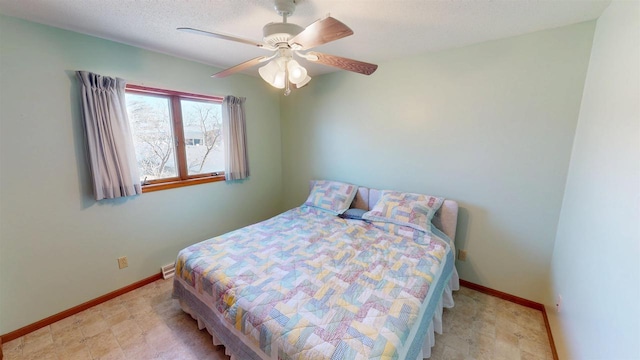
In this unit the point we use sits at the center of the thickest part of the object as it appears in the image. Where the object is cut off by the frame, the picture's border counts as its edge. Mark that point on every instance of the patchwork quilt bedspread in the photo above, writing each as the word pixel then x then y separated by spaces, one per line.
pixel 307 284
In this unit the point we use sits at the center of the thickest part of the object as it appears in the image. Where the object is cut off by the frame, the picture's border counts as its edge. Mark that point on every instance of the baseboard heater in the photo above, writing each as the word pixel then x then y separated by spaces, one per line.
pixel 168 270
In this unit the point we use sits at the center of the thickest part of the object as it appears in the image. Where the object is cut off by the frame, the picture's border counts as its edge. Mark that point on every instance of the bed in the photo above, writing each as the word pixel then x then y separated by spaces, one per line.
pixel 313 283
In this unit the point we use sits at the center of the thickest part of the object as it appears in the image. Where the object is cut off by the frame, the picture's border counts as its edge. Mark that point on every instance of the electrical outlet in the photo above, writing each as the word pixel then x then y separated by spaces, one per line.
pixel 122 262
pixel 558 303
pixel 462 255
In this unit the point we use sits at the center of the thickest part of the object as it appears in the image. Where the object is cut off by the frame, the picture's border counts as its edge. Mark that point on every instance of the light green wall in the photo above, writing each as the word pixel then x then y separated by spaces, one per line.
pixel 489 125
pixel 595 264
pixel 58 247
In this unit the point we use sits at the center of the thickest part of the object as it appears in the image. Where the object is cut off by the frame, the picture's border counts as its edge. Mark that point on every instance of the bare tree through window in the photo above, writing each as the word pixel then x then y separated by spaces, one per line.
pixel 203 136
pixel 153 135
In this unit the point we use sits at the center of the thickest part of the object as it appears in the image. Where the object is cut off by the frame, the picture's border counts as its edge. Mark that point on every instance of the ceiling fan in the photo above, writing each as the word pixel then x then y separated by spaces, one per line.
pixel 286 40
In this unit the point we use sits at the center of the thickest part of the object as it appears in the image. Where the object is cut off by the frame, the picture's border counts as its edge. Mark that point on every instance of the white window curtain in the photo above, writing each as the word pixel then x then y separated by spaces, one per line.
pixel 235 138
pixel 111 153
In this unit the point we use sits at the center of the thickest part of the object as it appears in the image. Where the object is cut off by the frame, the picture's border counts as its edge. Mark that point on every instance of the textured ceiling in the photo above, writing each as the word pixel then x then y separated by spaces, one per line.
pixel 383 29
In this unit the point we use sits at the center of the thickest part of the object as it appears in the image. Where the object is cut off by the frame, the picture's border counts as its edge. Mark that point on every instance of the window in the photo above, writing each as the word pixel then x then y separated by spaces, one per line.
pixel 177 137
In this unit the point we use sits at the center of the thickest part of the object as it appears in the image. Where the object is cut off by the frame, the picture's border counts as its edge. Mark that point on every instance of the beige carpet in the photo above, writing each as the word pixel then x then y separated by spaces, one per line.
pixel 147 324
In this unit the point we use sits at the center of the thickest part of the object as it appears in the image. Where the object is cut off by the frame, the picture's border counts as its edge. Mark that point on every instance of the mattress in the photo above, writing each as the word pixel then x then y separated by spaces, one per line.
pixel 307 284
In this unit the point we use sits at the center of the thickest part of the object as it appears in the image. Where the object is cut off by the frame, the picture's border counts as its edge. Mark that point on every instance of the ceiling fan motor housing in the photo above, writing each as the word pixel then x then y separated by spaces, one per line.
pixel 277 33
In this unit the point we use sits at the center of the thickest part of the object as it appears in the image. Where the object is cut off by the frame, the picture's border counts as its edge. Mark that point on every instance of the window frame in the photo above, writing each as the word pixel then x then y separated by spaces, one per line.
pixel 183 178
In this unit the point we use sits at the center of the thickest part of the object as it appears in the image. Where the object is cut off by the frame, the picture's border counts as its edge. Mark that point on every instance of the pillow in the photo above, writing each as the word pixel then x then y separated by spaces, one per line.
pixel 355 214
pixel 406 209
pixel 332 196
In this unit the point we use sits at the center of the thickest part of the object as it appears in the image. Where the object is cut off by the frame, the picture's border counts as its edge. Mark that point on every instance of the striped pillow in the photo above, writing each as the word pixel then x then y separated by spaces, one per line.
pixel 406 209
pixel 332 196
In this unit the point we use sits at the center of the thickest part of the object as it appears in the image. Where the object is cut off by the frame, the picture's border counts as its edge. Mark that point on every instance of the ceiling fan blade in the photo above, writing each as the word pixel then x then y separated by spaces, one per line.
pixel 343 63
pixel 220 36
pixel 321 32
pixel 239 67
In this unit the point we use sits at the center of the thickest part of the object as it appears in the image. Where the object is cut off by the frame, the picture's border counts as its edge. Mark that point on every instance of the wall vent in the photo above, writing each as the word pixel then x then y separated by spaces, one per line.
pixel 168 270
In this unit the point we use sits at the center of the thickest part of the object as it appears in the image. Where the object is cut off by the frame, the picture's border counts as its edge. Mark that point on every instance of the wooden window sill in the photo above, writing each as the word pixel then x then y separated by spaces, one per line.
pixel 180 183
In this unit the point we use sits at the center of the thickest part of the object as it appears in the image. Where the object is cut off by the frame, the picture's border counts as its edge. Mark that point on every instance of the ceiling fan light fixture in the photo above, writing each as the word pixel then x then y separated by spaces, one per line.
pixel 297 73
pixel 276 73
pixel 268 72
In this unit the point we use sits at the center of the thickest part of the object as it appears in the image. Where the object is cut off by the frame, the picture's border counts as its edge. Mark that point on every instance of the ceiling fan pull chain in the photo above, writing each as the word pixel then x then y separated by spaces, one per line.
pixel 287 86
